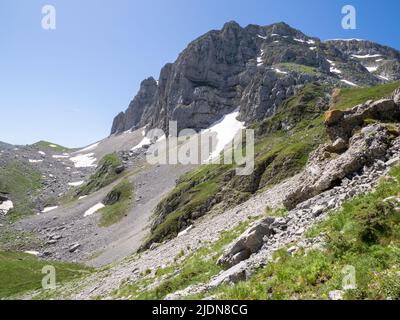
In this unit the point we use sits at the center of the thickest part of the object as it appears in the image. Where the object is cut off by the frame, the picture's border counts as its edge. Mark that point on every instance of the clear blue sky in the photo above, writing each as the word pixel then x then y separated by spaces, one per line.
pixel 67 85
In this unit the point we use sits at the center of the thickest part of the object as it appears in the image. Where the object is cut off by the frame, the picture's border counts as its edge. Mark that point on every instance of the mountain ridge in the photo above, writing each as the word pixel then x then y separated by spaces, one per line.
pixel 256 68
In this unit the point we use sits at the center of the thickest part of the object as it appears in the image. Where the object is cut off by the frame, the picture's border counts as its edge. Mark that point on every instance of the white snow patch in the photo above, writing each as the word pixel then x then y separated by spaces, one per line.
pixel 261 37
pixel 299 40
pixel 82 197
pixel 33 253
pixel 76 184
pixel 259 59
pixel 185 231
pixel 366 56
pixel 91 147
pixel 94 209
pixel 349 83
pixel 384 78
pixel 352 39
pixel 372 69
pixel 379 60
pixel 145 142
pixel 313 48
pixel 225 130
pixel 333 69
pixel 60 156
pixel 35 161
pixel 52 146
pixel 6 206
pixel 84 160
pixel 310 41
pixel 42 153
pixel 280 71
pixel 48 209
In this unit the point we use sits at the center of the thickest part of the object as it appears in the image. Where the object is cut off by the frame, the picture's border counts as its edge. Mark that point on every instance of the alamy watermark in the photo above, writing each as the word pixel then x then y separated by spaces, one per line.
pixel 349 278
pixel 49 280
pixel 349 21
pixel 189 147
pixel 49 17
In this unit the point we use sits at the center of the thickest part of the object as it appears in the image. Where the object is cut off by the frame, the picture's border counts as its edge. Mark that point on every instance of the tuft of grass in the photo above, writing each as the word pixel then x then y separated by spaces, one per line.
pixel 22 183
pixel 22 273
pixel 277 213
pixel 120 201
pixel 300 68
pixel 104 175
pixel 349 97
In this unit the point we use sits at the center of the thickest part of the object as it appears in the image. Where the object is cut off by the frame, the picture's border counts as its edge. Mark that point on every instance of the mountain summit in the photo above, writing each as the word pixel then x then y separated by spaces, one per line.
pixel 255 68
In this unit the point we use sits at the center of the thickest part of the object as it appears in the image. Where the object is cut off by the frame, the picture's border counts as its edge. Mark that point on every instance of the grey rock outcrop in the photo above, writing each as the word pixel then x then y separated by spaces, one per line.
pixel 355 145
pixel 132 116
pixel 249 242
pixel 325 169
pixel 383 61
pixel 342 124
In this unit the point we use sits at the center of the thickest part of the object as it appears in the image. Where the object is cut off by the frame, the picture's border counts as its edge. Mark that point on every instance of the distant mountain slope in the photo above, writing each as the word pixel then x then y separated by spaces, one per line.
pixel 256 68
pixel 4 145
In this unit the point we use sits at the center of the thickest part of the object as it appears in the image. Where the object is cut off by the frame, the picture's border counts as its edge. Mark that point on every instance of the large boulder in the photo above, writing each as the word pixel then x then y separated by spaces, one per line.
pixel 396 97
pixel 248 243
pixel 5 204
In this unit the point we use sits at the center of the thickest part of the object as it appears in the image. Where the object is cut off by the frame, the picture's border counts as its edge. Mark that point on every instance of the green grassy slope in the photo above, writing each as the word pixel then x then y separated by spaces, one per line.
pixel 22 183
pixel 350 97
pixel 121 198
pixel 21 273
pixel 52 146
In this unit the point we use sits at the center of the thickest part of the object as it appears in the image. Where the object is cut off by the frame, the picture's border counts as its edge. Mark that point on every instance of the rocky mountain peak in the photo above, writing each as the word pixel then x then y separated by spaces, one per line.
pixel 132 116
pixel 254 68
pixel 231 26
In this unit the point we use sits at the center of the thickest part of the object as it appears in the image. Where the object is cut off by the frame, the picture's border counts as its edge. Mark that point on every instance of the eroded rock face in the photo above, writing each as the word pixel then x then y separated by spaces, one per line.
pixel 253 68
pixel 325 169
pixel 249 242
pixel 355 144
pixel 342 124
pixel 133 115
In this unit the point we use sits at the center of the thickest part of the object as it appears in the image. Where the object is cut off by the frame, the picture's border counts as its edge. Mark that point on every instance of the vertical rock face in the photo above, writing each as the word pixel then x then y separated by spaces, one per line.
pixel 132 116
pixel 253 68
